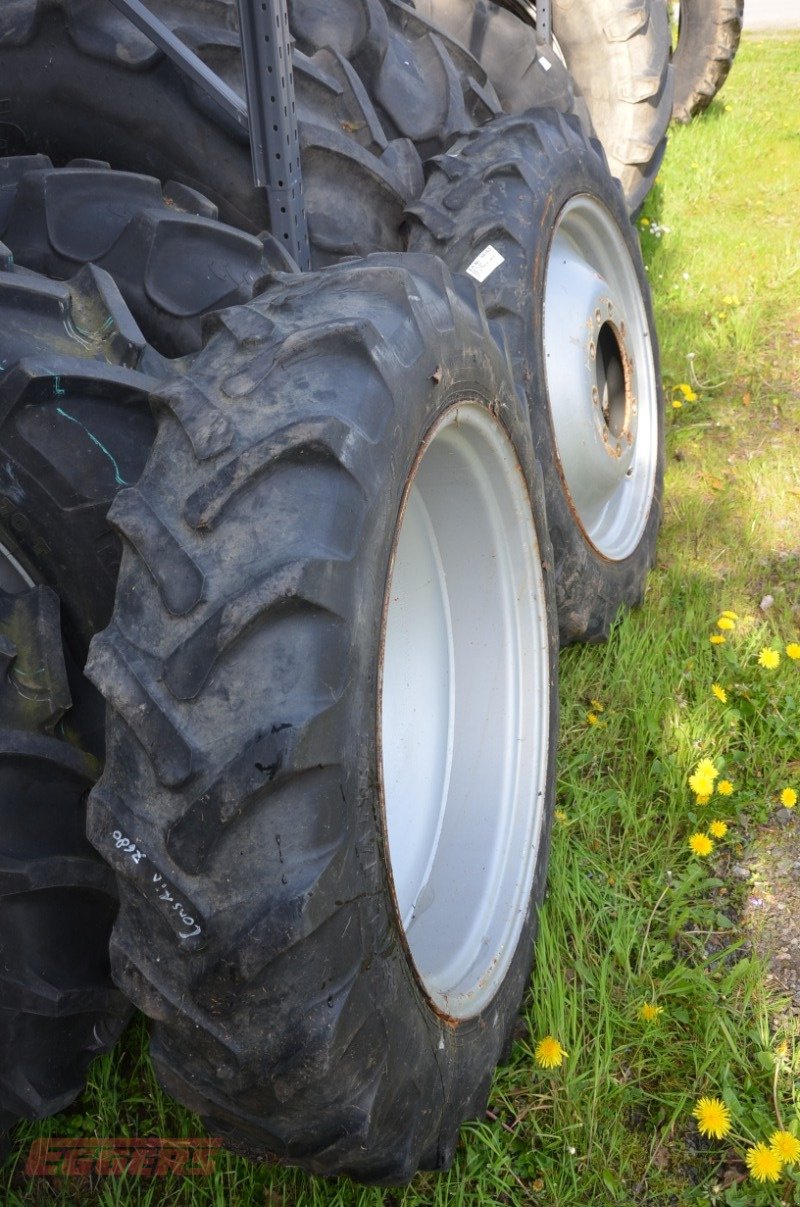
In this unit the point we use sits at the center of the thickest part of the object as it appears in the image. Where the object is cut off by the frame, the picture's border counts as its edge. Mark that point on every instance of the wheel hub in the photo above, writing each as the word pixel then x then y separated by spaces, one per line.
pixel 600 378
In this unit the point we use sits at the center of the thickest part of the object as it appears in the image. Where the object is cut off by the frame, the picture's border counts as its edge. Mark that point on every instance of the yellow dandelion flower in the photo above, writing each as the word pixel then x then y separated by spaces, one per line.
pixel 769 658
pixel 591 718
pixel 725 788
pixel 730 615
pixel 713 1117
pixel 718 829
pixel 720 693
pixel 687 391
pixel 701 785
pixel 788 798
pixel 649 1012
pixel 560 817
pixel 764 1163
pixel 549 1054
pixel 786 1146
pixel 598 705
pixel 707 768
pixel 703 798
pixel 726 623
pixel 793 651
pixel 717 639
pixel 676 404
pixel 701 844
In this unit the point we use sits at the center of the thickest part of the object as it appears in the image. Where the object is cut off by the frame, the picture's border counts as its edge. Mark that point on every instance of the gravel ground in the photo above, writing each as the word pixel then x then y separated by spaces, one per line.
pixel 772 907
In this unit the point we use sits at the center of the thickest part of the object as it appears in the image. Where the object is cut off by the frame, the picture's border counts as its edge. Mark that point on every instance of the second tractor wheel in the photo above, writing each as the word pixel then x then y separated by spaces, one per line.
pixel 331 674
pixel 617 52
pixel 528 208
pixel 706 38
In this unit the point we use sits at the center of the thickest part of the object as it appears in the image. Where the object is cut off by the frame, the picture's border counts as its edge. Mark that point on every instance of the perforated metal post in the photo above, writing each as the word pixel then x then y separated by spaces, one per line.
pixel 269 114
pixel 274 138
pixel 544 20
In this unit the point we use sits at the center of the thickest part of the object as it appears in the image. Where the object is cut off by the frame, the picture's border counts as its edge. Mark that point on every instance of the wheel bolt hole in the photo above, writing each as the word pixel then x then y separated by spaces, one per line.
pixel 612 379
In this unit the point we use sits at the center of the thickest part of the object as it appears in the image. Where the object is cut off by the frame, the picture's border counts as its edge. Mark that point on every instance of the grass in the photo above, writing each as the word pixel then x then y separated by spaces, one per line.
pixel 631 916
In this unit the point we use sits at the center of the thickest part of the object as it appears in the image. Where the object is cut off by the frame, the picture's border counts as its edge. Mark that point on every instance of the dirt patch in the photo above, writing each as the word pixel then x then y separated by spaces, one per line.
pixel 771 918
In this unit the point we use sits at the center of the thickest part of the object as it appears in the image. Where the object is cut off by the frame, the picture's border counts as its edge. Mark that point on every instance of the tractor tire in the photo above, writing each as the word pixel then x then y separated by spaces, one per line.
pixel 170 258
pixel 58 1006
pixel 379 89
pixel 75 386
pixel 618 53
pixel 527 206
pixel 708 36
pixel 524 71
pixel 70 358
pixel 329 874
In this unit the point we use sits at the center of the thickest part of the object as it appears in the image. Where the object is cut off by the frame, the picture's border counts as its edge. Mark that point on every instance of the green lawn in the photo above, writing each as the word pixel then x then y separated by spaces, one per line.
pixel 632 915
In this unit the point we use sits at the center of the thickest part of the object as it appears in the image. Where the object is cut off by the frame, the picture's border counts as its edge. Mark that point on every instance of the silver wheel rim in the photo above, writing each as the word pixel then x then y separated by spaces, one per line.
pixel 601 379
pixel 464 710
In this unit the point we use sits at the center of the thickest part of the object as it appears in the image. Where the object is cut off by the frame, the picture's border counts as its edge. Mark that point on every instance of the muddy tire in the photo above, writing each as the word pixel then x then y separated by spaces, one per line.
pixel 618 53
pixel 379 89
pixel 708 36
pixel 325 993
pixel 528 207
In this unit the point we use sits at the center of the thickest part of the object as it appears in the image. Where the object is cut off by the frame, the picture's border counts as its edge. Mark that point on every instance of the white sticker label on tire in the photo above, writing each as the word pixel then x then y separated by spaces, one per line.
pixel 544 63
pixel 484 265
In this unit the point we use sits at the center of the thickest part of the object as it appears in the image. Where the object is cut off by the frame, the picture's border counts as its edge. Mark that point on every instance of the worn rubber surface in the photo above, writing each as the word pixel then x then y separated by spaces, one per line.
pixel 257 926
pixel 525 73
pixel 76 425
pixel 618 53
pixel 505 187
pixel 73 401
pixel 378 90
pixel 708 38
pixel 170 258
pixel 58 1006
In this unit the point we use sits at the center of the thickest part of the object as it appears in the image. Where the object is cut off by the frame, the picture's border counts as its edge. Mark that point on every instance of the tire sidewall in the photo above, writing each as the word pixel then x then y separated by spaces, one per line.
pixel 464 1050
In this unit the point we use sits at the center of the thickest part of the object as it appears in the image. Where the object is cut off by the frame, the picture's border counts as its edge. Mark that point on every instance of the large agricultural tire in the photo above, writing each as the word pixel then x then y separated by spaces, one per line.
pixel 379 89
pixel 618 53
pixel 283 737
pixel 69 356
pixel 58 1006
pixel 525 73
pixel 528 207
pixel 76 374
pixel 170 258
pixel 708 33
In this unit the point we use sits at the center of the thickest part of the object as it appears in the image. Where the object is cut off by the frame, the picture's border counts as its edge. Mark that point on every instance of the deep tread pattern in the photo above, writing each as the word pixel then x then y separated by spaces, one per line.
pixel 57 899
pixel 708 39
pixel 75 425
pixel 380 88
pixel 172 265
pixel 505 187
pixel 617 52
pixel 525 73
pixel 287 1015
pixel 73 414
